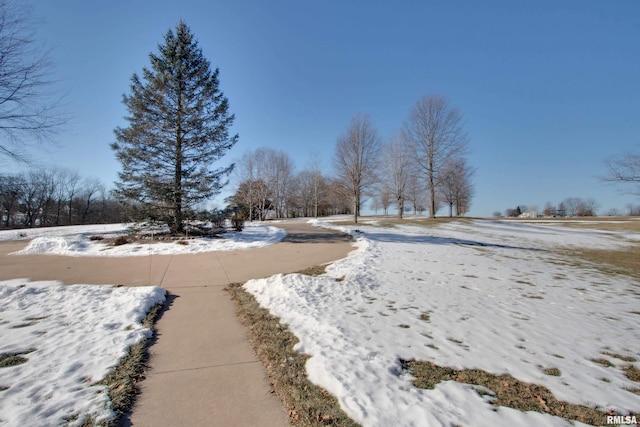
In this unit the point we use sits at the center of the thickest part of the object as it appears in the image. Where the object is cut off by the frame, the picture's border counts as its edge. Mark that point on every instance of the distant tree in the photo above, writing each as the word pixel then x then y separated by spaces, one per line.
pixel 397 169
pixel 455 186
pixel 497 214
pixel 318 183
pixel 415 194
pixel 549 209
pixel 587 207
pixel 356 158
pixel 562 210
pixel 435 130
pixel 382 197
pixel 178 127
pixel 246 193
pixel 252 198
pixel 309 188
pixel 624 169
pixel 571 205
pixel 28 110
pixel 277 171
pixel 633 210
pixel 613 212
pixel 514 213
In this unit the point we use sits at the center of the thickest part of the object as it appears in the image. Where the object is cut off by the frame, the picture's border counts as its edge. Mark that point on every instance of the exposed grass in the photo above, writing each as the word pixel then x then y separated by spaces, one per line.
pixel 604 362
pixel 316 270
pixel 620 356
pixel 614 224
pixel 14 359
pixel 306 403
pixel 121 382
pixel 623 261
pixel 552 371
pixel 390 222
pixel 632 373
pixel 507 391
pixel 425 317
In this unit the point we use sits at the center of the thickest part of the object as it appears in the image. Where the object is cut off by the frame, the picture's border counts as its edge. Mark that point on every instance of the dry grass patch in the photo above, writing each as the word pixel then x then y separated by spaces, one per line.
pixel 507 391
pixel 623 261
pixel 121 382
pixel 604 362
pixel 614 224
pixel 316 270
pixel 619 356
pixel 306 403
pixel 632 373
pixel 14 359
pixel 555 372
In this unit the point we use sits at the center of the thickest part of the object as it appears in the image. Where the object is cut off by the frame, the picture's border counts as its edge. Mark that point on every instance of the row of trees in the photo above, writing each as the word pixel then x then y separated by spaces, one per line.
pixel 40 198
pixel 424 165
pixel 428 154
pixel 571 206
pixel 267 182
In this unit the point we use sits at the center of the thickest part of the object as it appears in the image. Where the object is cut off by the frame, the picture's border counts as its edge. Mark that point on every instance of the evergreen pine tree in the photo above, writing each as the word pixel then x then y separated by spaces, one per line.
pixel 178 127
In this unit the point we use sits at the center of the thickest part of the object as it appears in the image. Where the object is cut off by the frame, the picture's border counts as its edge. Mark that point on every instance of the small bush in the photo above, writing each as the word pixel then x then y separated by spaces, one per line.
pixel 96 238
pixel 121 240
pixel 237 224
pixel 182 242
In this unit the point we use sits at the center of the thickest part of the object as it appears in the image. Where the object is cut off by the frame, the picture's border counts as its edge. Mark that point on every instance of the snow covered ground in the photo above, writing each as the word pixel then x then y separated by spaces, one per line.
pixel 491 295
pixel 75 241
pixel 78 334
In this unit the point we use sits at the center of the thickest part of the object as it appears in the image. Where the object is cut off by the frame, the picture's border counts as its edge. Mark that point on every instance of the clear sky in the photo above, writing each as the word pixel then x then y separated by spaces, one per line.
pixel 549 89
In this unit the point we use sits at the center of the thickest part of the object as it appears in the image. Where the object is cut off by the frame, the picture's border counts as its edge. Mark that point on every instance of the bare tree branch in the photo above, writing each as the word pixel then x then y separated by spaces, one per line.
pixel 624 169
pixel 29 111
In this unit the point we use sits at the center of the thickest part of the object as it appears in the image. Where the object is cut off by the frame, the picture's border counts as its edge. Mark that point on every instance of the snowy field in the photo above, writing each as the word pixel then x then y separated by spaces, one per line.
pixel 75 241
pixel 71 336
pixel 490 295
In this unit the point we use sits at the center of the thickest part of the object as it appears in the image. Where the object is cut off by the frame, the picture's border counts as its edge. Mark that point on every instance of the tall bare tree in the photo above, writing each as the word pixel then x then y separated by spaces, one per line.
pixel 398 168
pixel 455 186
pixel 29 111
pixel 356 158
pixel 435 130
pixel 277 172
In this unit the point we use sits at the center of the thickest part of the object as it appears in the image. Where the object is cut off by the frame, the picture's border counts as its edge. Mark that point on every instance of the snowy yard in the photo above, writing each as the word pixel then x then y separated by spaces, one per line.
pixel 492 295
pixel 58 341
pixel 76 241
pixel 63 340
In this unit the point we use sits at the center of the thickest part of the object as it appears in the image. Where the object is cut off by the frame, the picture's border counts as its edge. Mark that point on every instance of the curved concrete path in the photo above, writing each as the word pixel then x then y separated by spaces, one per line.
pixel 202 371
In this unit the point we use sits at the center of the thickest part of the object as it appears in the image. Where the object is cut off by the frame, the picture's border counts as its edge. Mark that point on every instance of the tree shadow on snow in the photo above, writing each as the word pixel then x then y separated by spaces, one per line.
pixel 435 240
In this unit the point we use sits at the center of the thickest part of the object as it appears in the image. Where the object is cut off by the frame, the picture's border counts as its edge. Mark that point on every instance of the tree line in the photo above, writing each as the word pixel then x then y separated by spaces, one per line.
pixel 51 197
pixel 422 166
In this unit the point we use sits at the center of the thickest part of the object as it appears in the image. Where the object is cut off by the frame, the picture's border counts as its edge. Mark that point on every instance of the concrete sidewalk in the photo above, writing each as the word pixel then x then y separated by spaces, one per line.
pixel 203 371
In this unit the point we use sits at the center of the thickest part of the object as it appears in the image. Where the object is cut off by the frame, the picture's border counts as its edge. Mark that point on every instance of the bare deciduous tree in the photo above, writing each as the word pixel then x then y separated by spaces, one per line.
pixel 356 158
pixel 277 169
pixel 435 130
pixel 398 169
pixel 28 109
pixel 455 186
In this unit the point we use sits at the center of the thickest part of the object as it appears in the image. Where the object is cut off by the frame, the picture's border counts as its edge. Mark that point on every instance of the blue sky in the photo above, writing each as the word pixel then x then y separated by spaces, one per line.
pixel 548 89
